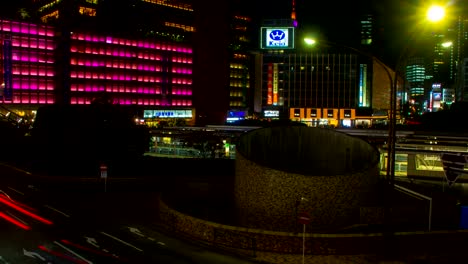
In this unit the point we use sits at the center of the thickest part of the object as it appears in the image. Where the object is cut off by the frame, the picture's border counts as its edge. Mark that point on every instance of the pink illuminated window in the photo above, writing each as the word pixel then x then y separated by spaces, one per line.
pixel 25 99
pixel 50 85
pixel 33 71
pixel 42 85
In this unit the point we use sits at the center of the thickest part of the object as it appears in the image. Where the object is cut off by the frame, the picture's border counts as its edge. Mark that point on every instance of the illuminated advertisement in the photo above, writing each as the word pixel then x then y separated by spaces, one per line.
pixel 167 114
pixel 275 83
pixel 271 113
pixel 277 37
pixel 270 84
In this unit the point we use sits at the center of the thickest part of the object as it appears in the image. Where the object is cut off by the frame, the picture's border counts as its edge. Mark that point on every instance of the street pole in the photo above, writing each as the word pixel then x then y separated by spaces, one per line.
pixel 303 243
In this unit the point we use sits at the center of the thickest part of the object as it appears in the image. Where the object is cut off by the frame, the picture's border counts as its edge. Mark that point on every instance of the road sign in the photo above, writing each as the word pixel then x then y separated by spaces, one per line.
pixel 103 169
pixel 303 218
pixel 454 164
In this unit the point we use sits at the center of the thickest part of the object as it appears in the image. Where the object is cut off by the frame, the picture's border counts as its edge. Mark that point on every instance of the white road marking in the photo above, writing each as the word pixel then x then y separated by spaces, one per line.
pixel 56 210
pixel 3 260
pixel 92 241
pixel 17 218
pixel 33 254
pixel 150 238
pixel 15 190
pixel 121 241
pixel 161 243
pixel 73 252
pixel 136 231
pixel 4 193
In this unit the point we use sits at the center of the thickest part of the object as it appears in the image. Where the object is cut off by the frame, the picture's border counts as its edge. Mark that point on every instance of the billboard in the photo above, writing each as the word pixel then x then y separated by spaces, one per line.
pixel 277 37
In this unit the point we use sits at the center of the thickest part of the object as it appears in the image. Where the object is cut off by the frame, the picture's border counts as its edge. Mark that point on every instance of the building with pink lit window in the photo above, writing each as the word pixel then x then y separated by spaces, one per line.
pixel 27 64
pixel 38 67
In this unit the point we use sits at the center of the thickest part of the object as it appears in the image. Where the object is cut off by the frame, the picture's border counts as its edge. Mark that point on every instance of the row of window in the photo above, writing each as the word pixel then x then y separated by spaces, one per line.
pixel 33 84
pixel 173 4
pixel 121 64
pixel 239 84
pixel 131 43
pixel 33 98
pixel 31 56
pixel 236 104
pixel 32 42
pixel 131 101
pixel 125 53
pixel 125 77
pixel 119 88
pixel 26 28
pixel 235 94
pixel 183 27
pixel 33 71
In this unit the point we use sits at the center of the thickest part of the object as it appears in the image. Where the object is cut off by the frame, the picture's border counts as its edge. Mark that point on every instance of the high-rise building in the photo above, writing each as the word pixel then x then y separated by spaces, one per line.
pixel 416 77
pixel 38 68
pixel 367 30
pixel 461 46
pixel 219 42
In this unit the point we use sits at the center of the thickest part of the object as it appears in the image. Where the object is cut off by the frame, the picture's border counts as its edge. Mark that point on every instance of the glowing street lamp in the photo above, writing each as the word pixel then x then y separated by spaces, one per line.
pixel 435 13
pixel 309 41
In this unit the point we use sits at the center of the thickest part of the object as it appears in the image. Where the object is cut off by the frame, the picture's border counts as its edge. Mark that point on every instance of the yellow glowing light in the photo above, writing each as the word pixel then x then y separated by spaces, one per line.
pixel 447 44
pixel 309 41
pixel 435 13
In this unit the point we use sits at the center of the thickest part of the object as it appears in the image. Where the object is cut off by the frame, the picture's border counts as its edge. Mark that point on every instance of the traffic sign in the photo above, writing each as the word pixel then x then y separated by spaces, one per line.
pixel 303 218
pixel 103 169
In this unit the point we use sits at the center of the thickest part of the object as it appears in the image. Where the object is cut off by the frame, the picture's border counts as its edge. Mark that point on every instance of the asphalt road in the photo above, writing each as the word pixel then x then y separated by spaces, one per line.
pixel 88 221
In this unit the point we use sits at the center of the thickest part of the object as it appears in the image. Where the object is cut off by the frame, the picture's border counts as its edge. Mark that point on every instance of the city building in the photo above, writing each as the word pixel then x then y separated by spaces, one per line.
pixel 324 85
pixel 39 68
pixel 219 67
pixel 461 80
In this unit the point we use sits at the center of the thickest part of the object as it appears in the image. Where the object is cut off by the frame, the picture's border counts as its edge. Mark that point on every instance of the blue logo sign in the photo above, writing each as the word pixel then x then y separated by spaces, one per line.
pixel 277 35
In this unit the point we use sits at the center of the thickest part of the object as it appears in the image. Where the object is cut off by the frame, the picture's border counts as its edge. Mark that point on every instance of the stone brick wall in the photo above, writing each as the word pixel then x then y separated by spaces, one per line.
pixel 271 199
pixel 281 247
pixel 270 196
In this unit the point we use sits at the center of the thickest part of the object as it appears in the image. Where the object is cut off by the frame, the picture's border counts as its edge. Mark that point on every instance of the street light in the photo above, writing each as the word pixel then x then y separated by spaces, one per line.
pixel 435 13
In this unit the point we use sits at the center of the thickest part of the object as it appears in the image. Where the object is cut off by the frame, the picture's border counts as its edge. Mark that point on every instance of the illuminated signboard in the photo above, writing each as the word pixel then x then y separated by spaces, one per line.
pixel 277 38
pixel 167 114
pixel 271 113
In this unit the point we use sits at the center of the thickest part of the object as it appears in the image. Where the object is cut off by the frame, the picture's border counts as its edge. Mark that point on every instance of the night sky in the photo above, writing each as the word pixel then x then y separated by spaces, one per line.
pixel 338 20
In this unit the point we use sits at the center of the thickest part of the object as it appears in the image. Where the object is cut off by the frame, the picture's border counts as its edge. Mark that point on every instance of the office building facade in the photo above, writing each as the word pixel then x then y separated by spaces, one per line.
pixel 153 76
pixel 219 39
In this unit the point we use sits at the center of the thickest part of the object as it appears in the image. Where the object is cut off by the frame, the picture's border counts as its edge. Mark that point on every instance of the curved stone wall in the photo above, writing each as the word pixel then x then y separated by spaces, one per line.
pixel 283 247
pixel 282 171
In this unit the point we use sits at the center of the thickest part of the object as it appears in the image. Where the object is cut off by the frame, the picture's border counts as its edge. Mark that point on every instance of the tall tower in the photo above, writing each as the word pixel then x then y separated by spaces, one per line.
pixel 293 13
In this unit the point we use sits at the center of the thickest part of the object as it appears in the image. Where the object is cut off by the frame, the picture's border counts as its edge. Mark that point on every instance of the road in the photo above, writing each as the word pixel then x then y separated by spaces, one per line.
pixel 42 221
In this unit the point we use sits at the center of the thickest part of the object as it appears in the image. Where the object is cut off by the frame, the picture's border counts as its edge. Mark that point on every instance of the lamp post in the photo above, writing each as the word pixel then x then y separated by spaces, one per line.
pixel 434 14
